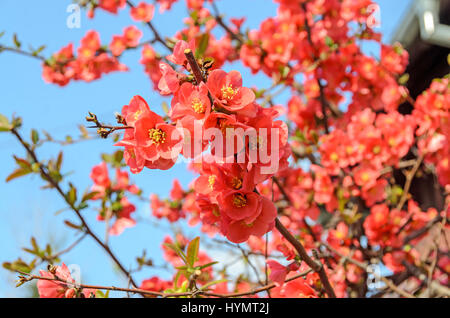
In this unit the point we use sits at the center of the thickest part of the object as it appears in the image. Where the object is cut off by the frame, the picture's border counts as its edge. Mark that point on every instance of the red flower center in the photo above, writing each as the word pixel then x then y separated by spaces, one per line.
pixel 157 135
pixel 239 200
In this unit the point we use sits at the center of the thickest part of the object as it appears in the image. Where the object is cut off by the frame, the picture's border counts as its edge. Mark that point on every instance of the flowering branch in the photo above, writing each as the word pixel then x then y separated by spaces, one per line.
pixel 316 266
pixel 198 292
pixel 48 177
pixel 157 36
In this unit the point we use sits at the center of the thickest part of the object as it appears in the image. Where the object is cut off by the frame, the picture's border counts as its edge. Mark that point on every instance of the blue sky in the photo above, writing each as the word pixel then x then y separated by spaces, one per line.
pixel 28 211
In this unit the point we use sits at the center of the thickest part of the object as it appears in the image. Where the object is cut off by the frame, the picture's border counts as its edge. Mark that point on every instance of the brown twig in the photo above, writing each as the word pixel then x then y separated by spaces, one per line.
pixel 156 34
pixel 194 66
pixel 288 199
pixel 409 178
pixel 218 18
pixel 29 277
pixel 316 266
pixel 56 185
pixel 21 52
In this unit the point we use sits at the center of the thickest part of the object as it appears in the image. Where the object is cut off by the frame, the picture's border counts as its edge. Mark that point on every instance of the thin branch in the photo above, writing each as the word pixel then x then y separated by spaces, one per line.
pixel 194 66
pixel 218 18
pixel 28 277
pixel 56 185
pixel 316 266
pixel 409 178
pixel 156 34
pixel 288 199
pixel 21 52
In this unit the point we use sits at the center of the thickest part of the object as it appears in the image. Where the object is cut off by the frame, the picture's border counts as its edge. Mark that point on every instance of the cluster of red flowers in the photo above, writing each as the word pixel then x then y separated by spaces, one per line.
pixel 90 64
pixel 115 204
pixel 129 39
pixel 64 286
pixel 226 191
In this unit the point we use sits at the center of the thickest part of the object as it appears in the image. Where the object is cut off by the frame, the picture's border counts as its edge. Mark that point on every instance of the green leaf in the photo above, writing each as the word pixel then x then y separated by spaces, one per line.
pixel 4 123
pixel 73 226
pixel 192 251
pixel 17 173
pixel 24 164
pixel 202 46
pixel 118 156
pixel 39 50
pixel 16 41
pixel 72 195
pixel 213 283
pixel 34 136
pixel 403 79
pixel 59 160
pixel 34 244
pixel 177 250
pixel 329 41
pixel 207 265
pixel 100 294
pixel 89 195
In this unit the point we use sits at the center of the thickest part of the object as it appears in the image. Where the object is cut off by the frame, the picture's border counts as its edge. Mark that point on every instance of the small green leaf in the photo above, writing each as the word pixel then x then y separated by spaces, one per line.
pixel 4 123
pixel 207 265
pixel 72 195
pixel 39 50
pixel 403 79
pixel 17 173
pixel 24 164
pixel 329 41
pixel 16 41
pixel 34 136
pixel 213 283
pixel 89 195
pixel 59 160
pixel 192 251
pixel 202 46
pixel 73 226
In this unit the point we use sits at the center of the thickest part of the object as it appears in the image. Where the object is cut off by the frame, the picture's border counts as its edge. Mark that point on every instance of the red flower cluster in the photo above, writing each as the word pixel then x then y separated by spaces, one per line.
pixel 115 204
pixel 58 289
pixel 90 63
pixel 224 106
pixel 129 39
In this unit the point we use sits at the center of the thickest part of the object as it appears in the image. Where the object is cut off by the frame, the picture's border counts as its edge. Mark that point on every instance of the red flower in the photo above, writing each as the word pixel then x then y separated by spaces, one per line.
pixel 178 56
pixel 155 138
pixel 191 100
pixel 142 12
pixel 240 230
pixel 112 5
pixel 228 91
pixel 169 82
pixel 118 45
pixel 278 272
pixel 55 289
pixel 132 35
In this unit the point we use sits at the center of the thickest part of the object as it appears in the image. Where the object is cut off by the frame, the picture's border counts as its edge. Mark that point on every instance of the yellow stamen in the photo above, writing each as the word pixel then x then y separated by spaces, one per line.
pixel 198 106
pixel 157 135
pixel 212 181
pixel 228 92
pixel 334 156
pixel 239 200
pixel 236 183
